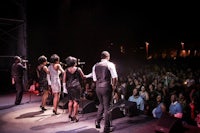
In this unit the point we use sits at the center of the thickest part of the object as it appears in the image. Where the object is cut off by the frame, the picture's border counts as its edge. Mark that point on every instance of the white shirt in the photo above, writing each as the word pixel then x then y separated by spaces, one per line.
pixel 111 67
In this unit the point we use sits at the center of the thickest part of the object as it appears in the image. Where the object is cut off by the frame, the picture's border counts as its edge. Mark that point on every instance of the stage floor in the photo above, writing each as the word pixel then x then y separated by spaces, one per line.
pixel 28 118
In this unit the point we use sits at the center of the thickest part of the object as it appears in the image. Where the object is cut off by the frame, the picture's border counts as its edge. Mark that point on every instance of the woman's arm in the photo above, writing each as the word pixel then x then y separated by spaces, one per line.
pixel 81 73
pixel 64 83
pixel 61 69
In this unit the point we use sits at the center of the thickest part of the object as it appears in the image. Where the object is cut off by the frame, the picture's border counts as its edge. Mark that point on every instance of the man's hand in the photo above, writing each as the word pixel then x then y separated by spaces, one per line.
pixel 114 88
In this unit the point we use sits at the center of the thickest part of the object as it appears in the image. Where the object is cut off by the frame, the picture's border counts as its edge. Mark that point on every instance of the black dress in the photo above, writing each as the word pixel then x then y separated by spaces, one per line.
pixel 42 79
pixel 74 85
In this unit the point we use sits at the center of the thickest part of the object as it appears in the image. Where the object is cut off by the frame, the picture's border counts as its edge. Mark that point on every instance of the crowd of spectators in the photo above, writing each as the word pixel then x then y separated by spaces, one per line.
pixel 171 87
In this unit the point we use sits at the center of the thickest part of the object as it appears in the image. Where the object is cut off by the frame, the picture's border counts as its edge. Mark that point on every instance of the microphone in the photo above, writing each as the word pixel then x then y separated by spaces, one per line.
pixel 81 63
pixel 25 61
pixel 63 64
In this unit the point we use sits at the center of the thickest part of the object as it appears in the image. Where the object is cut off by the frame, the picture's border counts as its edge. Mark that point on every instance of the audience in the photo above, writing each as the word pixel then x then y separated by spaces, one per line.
pixel 160 108
pixel 138 99
pixel 175 108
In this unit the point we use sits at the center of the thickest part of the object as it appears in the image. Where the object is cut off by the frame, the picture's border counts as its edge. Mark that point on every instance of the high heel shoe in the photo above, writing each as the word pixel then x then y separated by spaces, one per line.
pixel 97 124
pixel 75 119
pixel 70 117
pixel 55 112
pixel 43 108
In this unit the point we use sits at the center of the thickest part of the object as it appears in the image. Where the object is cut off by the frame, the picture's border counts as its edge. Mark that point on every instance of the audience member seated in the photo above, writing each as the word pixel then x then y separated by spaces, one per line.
pixel 175 108
pixel 160 109
pixel 34 88
pixel 197 119
pixel 145 95
pixel 89 91
pixel 138 99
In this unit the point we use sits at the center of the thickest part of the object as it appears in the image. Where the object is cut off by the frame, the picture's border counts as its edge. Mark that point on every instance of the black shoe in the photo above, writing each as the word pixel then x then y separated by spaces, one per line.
pixel 97 124
pixel 43 108
pixel 74 119
pixel 108 130
pixel 111 128
pixel 70 117
pixel 17 103
pixel 55 112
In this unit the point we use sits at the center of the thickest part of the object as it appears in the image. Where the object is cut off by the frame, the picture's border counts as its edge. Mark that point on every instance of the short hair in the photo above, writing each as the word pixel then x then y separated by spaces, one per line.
pixel 42 59
pixel 70 61
pixel 54 58
pixel 17 58
pixel 105 54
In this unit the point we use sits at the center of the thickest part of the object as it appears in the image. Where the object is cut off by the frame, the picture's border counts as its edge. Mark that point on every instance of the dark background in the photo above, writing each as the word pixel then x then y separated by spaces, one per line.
pixel 83 28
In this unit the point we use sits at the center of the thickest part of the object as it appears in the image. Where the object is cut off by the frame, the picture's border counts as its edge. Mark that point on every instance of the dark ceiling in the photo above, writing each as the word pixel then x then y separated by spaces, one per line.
pixel 83 28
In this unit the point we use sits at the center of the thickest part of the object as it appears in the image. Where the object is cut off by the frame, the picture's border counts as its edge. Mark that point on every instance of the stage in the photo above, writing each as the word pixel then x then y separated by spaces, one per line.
pixel 28 118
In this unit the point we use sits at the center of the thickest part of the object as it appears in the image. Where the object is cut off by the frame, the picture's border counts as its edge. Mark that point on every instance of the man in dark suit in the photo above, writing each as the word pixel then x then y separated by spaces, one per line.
pixel 105 75
pixel 17 72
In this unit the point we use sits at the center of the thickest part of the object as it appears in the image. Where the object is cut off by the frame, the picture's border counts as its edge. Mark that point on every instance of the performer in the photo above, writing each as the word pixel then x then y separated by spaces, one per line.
pixel 72 80
pixel 42 72
pixel 105 75
pixel 17 70
pixel 53 78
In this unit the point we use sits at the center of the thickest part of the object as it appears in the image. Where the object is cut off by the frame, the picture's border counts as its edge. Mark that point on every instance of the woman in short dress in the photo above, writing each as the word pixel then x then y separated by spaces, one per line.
pixel 42 72
pixel 72 80
pixel 55 70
